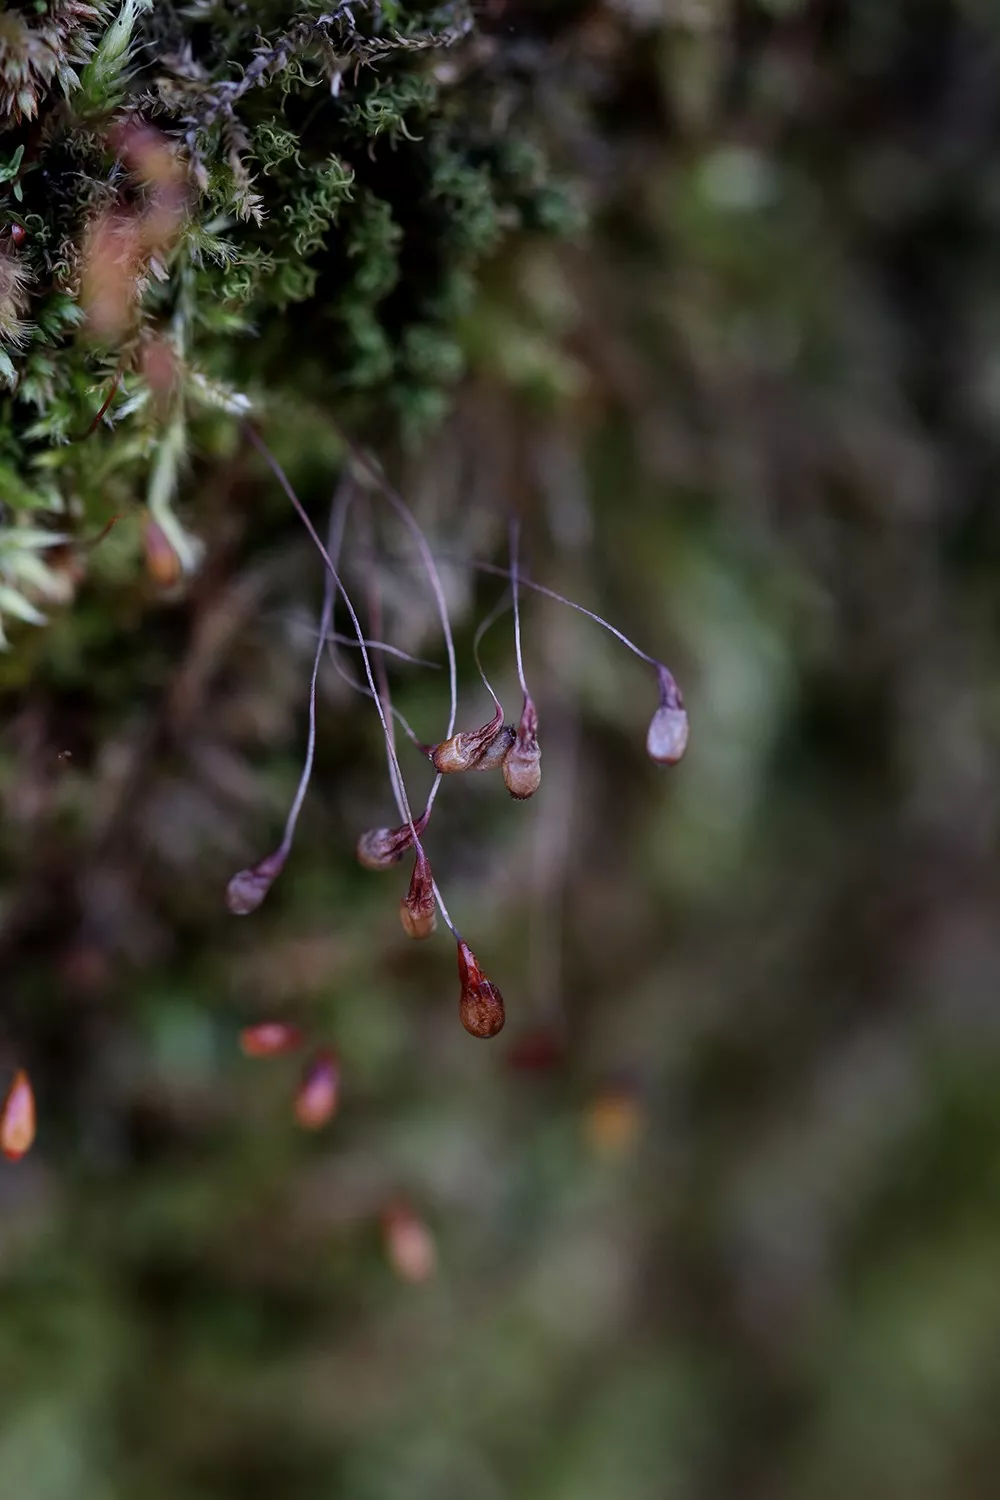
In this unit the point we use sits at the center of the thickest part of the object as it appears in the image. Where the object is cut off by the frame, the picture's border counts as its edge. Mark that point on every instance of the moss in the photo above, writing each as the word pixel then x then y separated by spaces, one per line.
pixel 212 207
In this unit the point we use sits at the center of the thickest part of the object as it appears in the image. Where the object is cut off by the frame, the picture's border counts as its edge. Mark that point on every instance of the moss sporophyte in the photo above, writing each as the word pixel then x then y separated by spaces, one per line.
pixel 189 198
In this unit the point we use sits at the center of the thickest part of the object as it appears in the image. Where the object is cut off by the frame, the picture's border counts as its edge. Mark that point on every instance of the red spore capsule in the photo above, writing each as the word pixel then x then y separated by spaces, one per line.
pixel 418 908
pixel 269 1039
pixel 319 1092
pixel 480 1005
pixel 17 1122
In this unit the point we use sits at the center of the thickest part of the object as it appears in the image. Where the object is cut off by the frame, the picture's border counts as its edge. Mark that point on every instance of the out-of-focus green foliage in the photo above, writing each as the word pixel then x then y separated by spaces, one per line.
pixel 742 1240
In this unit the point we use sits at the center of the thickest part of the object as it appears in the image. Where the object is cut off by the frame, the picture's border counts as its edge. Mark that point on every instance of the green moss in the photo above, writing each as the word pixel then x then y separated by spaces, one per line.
pixel 340 188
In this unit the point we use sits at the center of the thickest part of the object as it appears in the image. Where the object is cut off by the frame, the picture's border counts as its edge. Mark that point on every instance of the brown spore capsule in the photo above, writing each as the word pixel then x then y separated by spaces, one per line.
pixel 418 908
pixel 381 848
pixel 522 764
pixel 247 889
pixel 451 755
pixel 17 1121
pixel 494 754
pixel 667 736
pixel 479 749
pixel 480 1005
pixel 18 234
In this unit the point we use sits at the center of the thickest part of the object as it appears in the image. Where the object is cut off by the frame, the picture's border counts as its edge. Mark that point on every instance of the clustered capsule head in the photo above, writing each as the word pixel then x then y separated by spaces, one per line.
pixel 497 746
pixel 418 908
pixel 480 1004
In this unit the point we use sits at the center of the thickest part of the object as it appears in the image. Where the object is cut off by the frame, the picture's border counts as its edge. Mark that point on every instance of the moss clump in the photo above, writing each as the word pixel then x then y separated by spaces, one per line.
pixel 209 208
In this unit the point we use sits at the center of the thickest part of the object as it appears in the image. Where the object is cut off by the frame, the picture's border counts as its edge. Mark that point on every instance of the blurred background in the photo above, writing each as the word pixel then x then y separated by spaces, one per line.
pixel 718 1213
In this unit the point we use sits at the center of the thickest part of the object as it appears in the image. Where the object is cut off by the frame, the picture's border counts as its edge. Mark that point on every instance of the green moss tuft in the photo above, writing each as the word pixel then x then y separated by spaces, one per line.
pixel 296 198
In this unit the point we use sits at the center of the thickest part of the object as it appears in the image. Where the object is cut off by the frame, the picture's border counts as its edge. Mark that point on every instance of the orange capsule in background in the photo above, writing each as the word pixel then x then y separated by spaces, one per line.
pixel 162 563
pixel 17 1123
pixel 409 1244
pixel 319 1091
pixel 613 1122
pixel 269 1039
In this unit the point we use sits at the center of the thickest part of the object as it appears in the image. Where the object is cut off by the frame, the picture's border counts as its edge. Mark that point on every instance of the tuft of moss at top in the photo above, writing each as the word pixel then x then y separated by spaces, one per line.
pixel 288 204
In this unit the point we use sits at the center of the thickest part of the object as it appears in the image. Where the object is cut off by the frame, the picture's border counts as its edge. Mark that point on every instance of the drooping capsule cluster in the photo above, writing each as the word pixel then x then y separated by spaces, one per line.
pixel 496 745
